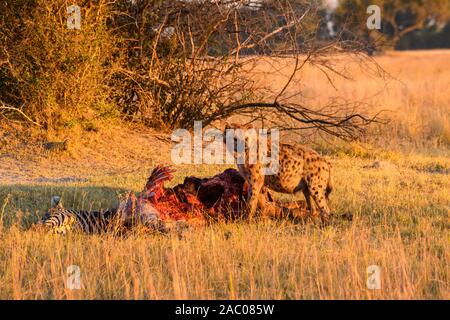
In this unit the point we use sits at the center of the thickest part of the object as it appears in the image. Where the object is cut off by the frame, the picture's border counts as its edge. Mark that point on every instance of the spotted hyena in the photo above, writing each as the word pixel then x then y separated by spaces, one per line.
pixel 299 169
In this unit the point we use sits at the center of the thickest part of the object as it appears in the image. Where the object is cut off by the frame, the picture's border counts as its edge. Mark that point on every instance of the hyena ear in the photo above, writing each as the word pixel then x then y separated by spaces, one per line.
pixel 248 126
pixel 56 202
pixel 228 125
pixel 225 125
pixel 217 124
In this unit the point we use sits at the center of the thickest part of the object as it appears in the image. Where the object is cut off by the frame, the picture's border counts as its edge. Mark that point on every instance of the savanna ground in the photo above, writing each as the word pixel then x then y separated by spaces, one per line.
pixel 397 186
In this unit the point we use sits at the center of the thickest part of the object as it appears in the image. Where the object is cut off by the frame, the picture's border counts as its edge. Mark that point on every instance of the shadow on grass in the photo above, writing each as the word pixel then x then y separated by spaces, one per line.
pixel 23 205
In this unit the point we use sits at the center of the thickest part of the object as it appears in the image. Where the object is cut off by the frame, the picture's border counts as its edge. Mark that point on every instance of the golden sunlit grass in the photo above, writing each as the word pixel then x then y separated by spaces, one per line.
pixel 400 201
pixel 400 224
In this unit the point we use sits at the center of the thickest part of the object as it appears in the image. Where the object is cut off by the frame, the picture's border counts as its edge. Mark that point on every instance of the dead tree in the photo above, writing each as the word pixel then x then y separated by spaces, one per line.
pixel 167 63
pixel 201 56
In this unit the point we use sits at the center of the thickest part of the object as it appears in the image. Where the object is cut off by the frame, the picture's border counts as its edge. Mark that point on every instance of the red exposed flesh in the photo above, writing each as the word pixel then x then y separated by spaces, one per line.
pixel 219 197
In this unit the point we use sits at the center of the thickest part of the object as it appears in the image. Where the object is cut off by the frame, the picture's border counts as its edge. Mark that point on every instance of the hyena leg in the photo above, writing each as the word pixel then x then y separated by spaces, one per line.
pixel 310 202
pixel 254 191
pixel 317 191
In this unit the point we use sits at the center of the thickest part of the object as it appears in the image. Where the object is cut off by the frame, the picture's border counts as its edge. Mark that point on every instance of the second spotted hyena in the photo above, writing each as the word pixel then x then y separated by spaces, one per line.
pixel 299 169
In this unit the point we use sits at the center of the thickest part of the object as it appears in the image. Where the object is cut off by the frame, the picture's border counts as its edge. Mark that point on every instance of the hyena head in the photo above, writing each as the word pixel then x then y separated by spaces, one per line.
pixel 239 138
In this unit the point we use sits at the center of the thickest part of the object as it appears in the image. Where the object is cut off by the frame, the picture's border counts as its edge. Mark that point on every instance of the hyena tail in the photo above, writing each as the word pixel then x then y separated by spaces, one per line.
pixel 330 183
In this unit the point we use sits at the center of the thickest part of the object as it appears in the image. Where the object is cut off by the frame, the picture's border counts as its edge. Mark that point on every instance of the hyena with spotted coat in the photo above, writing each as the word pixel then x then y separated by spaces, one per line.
pixel 299 169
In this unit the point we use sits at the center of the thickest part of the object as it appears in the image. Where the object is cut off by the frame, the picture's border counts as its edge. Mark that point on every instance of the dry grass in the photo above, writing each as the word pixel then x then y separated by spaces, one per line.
pixel 414 94
pixel 400 207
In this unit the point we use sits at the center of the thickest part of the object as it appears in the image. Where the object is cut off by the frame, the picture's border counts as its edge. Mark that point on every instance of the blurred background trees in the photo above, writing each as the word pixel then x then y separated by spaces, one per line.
pixel 405 24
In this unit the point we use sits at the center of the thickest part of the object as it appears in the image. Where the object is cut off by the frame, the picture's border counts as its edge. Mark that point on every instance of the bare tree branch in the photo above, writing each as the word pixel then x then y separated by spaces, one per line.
pixel 6 107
